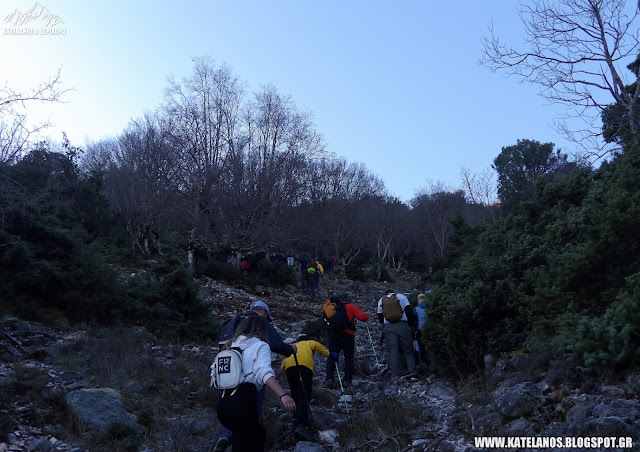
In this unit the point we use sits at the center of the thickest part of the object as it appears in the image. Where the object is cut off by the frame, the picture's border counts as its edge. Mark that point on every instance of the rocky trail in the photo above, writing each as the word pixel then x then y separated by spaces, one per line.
pixel 57 394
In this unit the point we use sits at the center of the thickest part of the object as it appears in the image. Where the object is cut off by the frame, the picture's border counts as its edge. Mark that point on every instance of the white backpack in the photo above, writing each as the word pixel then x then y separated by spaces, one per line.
pixel 226 370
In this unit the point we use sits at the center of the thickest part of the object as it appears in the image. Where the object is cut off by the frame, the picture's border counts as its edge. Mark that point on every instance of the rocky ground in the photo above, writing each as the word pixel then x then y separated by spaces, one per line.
pixel 52 400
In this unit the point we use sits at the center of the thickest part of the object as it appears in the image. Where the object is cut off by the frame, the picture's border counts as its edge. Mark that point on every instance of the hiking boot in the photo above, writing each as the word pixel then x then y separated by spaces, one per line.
pixel 222 444
pixel 302 432
pixel 328 384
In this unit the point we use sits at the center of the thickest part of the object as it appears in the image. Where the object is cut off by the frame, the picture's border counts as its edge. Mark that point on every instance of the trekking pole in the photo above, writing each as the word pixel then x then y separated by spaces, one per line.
pixel 373 348
pixel 304 391
pixel 342 389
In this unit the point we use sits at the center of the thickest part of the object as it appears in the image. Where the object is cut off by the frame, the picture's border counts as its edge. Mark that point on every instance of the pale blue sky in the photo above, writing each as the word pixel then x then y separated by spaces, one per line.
pixel 395 85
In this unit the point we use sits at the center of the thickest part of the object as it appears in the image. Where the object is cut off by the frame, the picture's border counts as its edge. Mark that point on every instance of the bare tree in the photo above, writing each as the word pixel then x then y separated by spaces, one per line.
pixel 140 183
pixel 201 115
pixel 335 209
pixel 98 155
pixel 15 130
pixel 575 52
pixel 435 207
pixel 279 141
pixel 481 190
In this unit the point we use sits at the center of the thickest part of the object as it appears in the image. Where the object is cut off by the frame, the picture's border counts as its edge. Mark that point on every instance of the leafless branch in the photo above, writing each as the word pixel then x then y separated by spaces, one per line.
pixel 573 51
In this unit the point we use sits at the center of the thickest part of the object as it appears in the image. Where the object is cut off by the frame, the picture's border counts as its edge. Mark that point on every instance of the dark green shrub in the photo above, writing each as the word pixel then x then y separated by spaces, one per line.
pixel 275 273
pixel 170 307
pixel 558 276
pixel 220 271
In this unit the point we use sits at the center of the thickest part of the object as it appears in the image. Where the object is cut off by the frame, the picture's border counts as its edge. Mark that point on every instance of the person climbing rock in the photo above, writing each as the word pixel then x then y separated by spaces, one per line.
pixel 299 371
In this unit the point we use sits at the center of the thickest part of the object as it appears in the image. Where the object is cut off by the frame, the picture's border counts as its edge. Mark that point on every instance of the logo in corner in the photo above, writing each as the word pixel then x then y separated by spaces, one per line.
pixel 39 20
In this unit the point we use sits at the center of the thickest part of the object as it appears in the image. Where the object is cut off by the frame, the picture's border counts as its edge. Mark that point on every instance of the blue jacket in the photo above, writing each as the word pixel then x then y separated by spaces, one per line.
pixel 276 344
pixel 421 312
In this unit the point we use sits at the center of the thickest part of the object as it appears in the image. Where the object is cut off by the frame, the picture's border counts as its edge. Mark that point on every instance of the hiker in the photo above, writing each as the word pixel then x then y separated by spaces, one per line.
pixel 312 278
pixel 238 410
pixel 331 263
pixel 260 310
pixel 344 340
pixel 299 371
pixel 303 267
pixel 394 312
pixel 421 313
pixel 319 274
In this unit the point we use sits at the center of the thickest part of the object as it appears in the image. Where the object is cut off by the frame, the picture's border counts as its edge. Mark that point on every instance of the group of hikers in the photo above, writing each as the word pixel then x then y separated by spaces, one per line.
pixel 312 271
pixel 239 410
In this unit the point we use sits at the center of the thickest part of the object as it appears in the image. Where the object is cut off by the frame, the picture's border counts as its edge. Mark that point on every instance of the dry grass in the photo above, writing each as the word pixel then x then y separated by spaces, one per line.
pixel 166 389
pixel 385 426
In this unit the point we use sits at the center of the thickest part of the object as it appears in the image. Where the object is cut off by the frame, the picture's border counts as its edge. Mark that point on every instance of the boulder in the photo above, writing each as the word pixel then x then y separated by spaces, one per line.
pixel 518 427
pixel 519 400
pixel 98 409
pixel 40 445
pixel 611 426
pixel 622 408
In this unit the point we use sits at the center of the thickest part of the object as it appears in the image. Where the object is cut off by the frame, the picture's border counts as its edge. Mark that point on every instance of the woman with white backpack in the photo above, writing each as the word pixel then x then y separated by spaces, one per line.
pixel 238 409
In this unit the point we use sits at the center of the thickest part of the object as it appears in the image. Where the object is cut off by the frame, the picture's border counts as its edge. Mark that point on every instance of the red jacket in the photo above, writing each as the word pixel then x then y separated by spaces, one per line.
pixel 354 311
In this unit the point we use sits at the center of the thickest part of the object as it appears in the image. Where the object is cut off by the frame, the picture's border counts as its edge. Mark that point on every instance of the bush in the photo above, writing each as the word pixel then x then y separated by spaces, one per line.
pixel 121 437
pixel 275 273
pixel 560 275
pixel 267 273
pixel 220 271
pixel 170 307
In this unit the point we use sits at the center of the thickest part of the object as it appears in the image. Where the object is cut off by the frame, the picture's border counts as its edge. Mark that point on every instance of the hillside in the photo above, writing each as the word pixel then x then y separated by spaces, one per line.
pixel 163 394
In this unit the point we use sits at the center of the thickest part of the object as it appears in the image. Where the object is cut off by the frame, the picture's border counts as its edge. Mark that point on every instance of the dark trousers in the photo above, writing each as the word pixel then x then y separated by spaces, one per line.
pixel 345 342
pixel 239 413
pixel 422 354
pixel 301 393
pixel 312 283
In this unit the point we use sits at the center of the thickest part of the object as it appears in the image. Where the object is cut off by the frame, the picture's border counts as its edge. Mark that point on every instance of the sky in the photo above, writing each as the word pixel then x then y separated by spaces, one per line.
pixel 394 85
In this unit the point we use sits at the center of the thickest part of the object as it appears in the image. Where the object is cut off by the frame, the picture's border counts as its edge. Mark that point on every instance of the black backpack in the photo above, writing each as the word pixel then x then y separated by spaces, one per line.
pixel 335 316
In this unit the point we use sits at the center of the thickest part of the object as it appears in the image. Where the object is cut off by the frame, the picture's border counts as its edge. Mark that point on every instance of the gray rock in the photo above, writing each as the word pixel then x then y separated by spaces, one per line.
pixel 440 390
pixel 625 409
pixel 612 391
pixel 40 445
pixel 486 423
pixel 98 408
pixel 526 364
pixel 612 426
pixel 519 400
pixel 447 446
pixel 518 427
pixel 558 372
pixel 308 446
pixel 489 364
pixel 323 419
pixel 580 411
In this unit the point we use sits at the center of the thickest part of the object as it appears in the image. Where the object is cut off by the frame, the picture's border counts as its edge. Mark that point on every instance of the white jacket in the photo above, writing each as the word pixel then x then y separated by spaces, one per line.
pixel 256 360
pixel 404 302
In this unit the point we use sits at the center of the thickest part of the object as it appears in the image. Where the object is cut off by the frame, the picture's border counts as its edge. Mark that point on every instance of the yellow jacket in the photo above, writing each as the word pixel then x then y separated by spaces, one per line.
pixel 306 349
pixel 320 269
